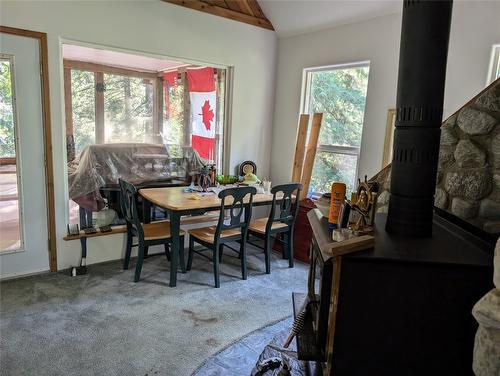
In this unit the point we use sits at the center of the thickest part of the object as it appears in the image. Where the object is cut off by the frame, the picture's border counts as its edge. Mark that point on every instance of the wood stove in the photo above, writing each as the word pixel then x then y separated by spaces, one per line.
pixel 401 308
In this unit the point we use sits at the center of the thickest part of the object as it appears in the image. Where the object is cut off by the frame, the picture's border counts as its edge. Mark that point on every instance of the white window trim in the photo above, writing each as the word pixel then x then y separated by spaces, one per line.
pixel 228 107
pixel 494 67
pixel 304 108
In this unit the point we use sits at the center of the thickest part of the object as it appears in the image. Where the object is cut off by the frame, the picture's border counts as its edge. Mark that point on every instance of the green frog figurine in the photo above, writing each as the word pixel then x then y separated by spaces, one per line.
pixel 251 179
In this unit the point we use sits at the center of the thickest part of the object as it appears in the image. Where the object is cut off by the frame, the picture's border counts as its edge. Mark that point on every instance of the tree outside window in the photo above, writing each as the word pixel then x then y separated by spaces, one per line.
pixel 340 94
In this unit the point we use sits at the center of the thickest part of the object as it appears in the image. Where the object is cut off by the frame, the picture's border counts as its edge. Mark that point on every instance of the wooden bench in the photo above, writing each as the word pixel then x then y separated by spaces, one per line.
pixel 121 229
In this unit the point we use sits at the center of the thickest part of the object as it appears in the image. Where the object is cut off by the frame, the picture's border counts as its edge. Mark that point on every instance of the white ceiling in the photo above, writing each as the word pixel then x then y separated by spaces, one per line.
pixel 118 59
pixel 292 17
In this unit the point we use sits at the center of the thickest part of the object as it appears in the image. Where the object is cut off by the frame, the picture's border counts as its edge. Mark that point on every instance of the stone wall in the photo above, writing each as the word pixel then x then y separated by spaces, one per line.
pixel 468 181
pixel 487 314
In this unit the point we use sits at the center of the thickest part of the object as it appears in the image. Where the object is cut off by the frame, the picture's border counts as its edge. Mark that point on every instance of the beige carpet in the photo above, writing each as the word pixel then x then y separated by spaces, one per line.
pixel 104 324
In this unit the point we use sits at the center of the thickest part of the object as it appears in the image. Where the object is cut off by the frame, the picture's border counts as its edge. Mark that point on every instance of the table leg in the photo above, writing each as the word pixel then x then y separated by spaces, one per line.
pixel 175 224
pixel 146 211
pixel 83 243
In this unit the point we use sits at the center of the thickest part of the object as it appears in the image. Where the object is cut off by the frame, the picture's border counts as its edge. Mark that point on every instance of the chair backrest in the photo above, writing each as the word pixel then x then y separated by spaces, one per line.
pixel 128 203
pixel 287 212
pixel 240 211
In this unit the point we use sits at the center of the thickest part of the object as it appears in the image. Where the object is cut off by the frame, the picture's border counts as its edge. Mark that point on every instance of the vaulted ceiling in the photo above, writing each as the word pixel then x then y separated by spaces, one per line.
pixel 292 17
pixel 247 11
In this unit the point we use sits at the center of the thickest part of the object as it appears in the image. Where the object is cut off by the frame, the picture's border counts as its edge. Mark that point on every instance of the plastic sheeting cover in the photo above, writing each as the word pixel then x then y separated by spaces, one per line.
pixel 103 165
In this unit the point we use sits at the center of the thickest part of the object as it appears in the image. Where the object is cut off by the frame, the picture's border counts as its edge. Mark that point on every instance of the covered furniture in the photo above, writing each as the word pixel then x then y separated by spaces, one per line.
pixel 94 175
pixel 238 202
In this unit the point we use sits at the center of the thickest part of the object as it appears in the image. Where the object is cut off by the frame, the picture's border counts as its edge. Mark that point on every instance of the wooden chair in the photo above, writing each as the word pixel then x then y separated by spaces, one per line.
pixel 147 234
pixel 282 223
pixel 215 237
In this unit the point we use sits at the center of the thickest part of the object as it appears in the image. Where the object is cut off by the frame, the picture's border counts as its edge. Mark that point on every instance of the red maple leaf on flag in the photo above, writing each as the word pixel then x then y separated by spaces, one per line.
pixel 207 114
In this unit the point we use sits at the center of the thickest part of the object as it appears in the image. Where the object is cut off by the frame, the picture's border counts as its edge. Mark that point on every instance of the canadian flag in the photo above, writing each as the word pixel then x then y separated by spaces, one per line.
pixel 203 111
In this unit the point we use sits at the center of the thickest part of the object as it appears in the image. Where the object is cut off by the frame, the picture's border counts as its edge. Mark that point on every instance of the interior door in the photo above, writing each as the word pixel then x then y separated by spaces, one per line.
pixel 23 244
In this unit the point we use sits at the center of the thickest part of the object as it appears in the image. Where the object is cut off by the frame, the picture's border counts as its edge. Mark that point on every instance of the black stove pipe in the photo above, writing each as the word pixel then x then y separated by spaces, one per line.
pixel 419 109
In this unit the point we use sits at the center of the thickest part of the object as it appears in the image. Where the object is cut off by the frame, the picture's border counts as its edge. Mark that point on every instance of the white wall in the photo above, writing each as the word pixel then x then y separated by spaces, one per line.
pixel 475 28
pixel 156 28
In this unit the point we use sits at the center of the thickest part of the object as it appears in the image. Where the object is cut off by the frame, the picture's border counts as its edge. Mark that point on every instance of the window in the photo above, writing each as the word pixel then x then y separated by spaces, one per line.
pixel 339 92
pixel 128 109
pixel 109 108
pixel 83 106
pixel 494 71
pixel 164 109
pixel 10 207
pixel 134 107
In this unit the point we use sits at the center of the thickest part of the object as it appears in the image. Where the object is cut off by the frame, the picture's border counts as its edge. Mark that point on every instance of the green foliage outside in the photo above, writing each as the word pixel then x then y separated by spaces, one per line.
pixel 128 109
pixel 330 167
pixel 341 96
pixel 173 126
pixel 83 103
pixel 128 112
pixel 7 140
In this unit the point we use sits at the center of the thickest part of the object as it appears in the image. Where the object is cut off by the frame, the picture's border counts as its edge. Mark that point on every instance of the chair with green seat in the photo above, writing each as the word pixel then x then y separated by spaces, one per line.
pixel 148 234
pixel 238 202
pixel 278 222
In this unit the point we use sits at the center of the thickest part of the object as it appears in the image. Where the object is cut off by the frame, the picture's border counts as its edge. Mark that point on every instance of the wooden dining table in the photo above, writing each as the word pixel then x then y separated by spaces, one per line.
pixel 177 203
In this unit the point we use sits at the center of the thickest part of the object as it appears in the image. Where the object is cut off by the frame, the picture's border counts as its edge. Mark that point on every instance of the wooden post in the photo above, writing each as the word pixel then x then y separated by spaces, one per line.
pixel 300 148
pixel 128 103
pixel 68 110
pixel 311 151
pixel 187 109
pixel 158 110
pixel 99 108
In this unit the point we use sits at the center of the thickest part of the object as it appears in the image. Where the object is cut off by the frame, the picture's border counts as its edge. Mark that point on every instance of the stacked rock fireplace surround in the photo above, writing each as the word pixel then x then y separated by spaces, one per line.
pixel 468 181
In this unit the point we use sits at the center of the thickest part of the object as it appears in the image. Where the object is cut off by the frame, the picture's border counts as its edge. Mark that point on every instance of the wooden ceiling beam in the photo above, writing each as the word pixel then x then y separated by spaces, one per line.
pixel 219 3
pixel 209 6
pixel 244 6
pixel 256 9
pixel 235 5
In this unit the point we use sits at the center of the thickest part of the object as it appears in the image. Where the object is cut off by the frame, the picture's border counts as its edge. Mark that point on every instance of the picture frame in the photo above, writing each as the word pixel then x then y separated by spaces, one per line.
pixel 389 136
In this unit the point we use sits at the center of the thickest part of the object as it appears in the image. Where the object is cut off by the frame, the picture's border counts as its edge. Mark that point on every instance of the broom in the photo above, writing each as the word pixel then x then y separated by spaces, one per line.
pixel 298 324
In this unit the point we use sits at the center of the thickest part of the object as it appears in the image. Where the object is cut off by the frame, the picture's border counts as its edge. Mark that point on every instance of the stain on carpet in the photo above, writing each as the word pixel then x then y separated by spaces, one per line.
pixel 212 342
pixel 198 320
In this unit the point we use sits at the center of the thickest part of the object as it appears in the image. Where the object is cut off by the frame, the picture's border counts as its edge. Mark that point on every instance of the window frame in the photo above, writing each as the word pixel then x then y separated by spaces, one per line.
pixel 158 98
pixel 20 202
pixel 494 67
pixel 17 148
pixel 224 76
pixel 99 70
pixel 305 108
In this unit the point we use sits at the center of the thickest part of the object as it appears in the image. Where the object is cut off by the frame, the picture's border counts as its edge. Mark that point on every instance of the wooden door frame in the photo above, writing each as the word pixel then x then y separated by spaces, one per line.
pixel 47 136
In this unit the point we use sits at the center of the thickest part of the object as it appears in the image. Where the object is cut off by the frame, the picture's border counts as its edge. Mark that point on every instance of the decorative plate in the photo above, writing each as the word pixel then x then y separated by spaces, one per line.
pixel 248 167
